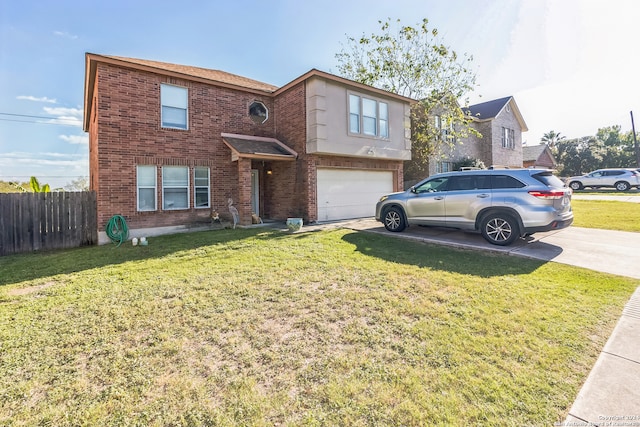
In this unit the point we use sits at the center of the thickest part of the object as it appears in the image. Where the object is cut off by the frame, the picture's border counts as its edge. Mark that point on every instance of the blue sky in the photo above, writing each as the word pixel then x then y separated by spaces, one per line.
pixel 573 66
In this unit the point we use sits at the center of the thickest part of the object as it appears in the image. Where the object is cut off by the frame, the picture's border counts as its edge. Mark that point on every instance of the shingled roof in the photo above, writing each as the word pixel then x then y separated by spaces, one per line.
pixel 204 73
pixel 490 110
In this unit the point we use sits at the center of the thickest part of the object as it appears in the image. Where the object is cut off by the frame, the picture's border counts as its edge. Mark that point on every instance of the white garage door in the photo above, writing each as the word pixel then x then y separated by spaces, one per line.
pixel 348 193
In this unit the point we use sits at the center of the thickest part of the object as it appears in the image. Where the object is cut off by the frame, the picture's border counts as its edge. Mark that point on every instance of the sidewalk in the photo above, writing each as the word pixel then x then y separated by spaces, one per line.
pixel 611 394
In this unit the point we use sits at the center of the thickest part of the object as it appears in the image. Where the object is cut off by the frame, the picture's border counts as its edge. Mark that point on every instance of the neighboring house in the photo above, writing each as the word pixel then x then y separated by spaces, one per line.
pixel 501 125
pixel 538 156
pixel 169 144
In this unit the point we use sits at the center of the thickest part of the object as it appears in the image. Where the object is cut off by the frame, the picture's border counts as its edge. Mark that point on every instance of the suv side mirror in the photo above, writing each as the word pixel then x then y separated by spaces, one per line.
pixel 413 189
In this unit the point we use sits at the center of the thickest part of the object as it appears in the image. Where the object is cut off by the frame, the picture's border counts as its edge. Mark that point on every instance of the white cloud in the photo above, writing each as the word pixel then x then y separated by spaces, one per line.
pixel 75 139
pixel 65 116
pixel 36 99
pixel 65 35
pixel 55 169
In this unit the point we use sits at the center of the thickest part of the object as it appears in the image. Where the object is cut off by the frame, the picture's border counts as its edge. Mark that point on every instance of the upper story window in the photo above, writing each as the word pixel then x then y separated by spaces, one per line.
pixel 174 100
pixel 368 116
pixel 508 138
pixel 258 112
pixel 444 128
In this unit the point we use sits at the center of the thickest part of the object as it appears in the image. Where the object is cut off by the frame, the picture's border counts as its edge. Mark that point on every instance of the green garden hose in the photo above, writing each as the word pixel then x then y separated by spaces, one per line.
pixel 117 229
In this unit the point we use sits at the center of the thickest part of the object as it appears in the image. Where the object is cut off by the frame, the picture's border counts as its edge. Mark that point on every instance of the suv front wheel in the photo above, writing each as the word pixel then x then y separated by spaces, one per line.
pixel 622 186
pixel 499 229
pixel 394 219
pixel 576 185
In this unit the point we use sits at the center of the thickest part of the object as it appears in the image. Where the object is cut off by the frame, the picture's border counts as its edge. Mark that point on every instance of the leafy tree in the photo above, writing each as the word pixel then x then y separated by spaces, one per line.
pixel 412 62
pixel 468 162
pixel 12 187
pixel 609 148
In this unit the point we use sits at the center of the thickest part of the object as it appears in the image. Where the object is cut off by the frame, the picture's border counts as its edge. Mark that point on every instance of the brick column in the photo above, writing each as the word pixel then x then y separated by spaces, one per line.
pixel 243 204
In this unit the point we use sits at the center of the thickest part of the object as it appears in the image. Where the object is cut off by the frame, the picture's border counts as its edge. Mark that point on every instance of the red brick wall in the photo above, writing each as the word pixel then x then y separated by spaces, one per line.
pixel 130 134
pixel 289 195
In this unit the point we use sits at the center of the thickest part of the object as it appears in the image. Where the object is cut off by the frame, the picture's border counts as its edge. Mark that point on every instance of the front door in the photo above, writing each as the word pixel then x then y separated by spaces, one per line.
pixel 255 192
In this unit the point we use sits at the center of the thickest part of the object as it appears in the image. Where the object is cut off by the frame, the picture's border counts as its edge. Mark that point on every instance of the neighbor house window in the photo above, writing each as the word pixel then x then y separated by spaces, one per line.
pixel 368 116
pixel 508 138
pixel 174 106
pixel 443 167
pixel 146 182
pixel 175 187
pixel 201 187
pixel 437 122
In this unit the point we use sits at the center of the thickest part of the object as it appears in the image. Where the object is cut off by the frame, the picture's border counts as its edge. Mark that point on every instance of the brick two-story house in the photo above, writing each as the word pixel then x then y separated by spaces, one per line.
pixel 500 125
pixel 168 144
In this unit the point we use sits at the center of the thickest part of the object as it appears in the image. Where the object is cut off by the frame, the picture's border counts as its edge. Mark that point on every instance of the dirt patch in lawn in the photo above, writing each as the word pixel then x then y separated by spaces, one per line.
pixel 29 290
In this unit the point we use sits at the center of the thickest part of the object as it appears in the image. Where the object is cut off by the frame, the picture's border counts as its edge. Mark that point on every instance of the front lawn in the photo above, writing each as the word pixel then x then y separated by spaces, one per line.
pixel 606 215
pixel 259 327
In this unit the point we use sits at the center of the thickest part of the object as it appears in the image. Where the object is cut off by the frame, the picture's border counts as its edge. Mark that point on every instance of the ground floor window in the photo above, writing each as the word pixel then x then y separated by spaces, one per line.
pixel 146 183
pixel 443 167
pixel 175 187
pixel 201 187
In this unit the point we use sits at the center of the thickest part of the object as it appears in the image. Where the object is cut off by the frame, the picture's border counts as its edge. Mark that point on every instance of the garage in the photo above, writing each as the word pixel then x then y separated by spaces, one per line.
pixel 350 193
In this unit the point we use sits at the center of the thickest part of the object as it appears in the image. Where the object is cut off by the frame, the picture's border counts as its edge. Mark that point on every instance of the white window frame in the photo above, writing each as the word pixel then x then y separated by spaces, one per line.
pixel 508 138
pixel 176 98
pixel 147 187
pixel 197 187
pixel 356 116
pixel 165 187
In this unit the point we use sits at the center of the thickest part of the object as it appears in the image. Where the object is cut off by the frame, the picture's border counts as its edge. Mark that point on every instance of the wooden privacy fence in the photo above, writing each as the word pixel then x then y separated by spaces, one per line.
pixel 41 221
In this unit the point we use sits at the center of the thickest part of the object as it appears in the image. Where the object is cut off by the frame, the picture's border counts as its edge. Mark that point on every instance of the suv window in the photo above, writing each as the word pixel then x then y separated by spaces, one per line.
pixel 549 179
pixel 505 181
pixel 469 182
pixel 613 173
pixel 436 184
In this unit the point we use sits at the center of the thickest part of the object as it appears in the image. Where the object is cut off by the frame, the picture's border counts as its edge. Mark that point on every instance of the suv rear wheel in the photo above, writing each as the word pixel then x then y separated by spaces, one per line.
pixel 499 229
pixel 394 219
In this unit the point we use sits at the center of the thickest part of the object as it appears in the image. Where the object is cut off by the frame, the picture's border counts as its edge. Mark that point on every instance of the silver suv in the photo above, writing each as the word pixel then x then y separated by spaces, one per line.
pixel 503 204
pixel 621 179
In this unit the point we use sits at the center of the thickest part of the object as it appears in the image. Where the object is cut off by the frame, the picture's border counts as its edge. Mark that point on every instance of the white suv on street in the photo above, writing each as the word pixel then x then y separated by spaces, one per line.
pixel 502 204
pixel 621 179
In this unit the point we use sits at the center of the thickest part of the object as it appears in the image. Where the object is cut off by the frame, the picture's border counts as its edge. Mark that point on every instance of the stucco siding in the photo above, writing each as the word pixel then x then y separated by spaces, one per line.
pixel 328 124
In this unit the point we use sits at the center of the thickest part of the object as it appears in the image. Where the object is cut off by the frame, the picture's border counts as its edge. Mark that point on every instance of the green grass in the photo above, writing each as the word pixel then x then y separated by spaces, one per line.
pixel 258 328
pixel 608 215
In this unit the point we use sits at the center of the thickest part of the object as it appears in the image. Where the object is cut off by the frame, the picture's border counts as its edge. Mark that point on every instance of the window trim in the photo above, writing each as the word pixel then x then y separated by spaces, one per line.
pixel 155 188
pixel 163 105
pixel 359 114
pixel 256 118
pixel 164 187
pixel 196 187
